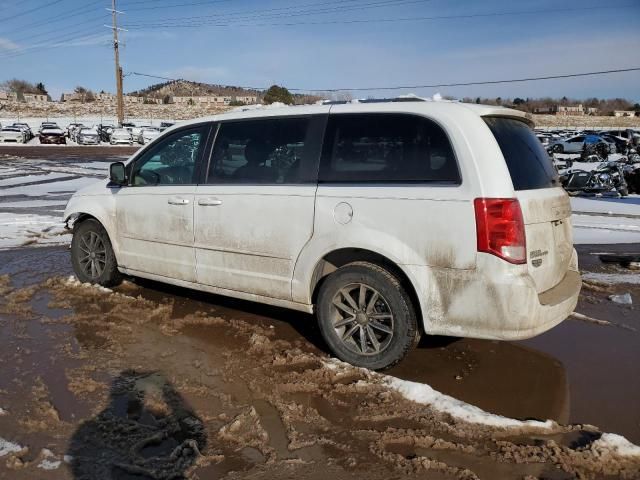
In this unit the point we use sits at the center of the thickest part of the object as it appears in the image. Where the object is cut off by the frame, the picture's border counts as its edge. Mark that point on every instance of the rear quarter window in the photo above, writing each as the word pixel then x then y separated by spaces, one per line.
pixel 387 148
pixel 528 162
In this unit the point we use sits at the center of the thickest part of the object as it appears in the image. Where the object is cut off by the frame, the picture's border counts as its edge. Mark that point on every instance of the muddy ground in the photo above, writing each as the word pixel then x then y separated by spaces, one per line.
pixel 150 381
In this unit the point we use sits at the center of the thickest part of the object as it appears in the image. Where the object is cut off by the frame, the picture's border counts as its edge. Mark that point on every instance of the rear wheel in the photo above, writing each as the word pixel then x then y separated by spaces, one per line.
pixel 92 255
pixel 366 317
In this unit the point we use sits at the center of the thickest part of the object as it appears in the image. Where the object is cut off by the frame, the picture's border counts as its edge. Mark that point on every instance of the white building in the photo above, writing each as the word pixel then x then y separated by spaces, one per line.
pixel 8 97
pixel 570 110
pixel 624 113
pixel 203 100
pixel 105 97
pixel 35 98
pixel 246 99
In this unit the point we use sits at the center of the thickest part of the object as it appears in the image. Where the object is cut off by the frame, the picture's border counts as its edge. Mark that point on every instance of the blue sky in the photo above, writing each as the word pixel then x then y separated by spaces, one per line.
pixel 63 43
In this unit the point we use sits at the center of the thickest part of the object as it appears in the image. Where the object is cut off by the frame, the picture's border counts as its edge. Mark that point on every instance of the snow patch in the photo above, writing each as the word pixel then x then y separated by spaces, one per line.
pixel 616 445
pixel 19 229
pixel 72 281
pixel 47 463
pixel 612 278
pixel 7 447
pixel 2 411
pixel 424 394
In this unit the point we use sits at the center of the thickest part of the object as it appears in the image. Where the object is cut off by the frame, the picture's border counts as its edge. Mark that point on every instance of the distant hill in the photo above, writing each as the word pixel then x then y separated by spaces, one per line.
pixel 186 88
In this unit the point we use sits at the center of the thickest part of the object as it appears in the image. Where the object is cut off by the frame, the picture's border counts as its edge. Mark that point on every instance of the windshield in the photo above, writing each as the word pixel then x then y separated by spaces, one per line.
pixel 528 162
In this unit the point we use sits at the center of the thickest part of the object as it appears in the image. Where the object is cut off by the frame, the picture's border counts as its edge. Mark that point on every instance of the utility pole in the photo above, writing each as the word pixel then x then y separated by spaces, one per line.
pixel 116 49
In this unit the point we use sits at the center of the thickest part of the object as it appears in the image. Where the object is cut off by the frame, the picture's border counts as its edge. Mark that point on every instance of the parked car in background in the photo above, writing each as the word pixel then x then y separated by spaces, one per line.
pixel 622 144
pixel 48 125
pixel 74 130
pixel 137 131
pixel 104 131
pixel 148 134
pixel 165 125
pixel 416 214
pixel 52 135
pixel 26 129
pixel 121 136
pixel 632 135
pixel 12 134
pixel 71 127
pixel 88 136
pixel 128 126
pixel 576 144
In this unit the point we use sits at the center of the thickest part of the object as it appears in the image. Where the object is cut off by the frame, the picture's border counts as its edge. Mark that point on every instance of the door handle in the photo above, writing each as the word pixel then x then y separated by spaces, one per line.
pixel 209 202
pixel 178 201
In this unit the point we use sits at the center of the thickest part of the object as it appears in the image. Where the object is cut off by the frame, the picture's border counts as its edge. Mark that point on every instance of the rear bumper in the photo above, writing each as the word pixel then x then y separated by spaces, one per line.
pixel 495 301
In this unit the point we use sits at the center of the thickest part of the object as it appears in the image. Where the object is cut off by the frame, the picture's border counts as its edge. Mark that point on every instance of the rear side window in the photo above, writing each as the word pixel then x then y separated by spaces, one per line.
pixel 266 151
pixel 381 148
pixel 529 164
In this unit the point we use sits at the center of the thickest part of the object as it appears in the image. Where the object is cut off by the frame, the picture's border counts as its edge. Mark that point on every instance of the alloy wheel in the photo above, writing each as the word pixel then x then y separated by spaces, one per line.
pixel 93 255
pixel 362 319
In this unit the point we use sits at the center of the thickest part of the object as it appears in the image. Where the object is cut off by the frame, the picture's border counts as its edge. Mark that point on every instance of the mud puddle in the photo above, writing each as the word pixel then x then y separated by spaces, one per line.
pixel 152 382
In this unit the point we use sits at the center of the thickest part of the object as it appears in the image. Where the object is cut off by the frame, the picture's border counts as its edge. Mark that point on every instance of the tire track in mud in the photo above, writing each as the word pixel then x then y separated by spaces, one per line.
pixel 193 395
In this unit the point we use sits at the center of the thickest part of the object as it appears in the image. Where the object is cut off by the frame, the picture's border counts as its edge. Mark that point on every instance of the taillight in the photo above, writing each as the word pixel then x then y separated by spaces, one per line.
pixel 500 228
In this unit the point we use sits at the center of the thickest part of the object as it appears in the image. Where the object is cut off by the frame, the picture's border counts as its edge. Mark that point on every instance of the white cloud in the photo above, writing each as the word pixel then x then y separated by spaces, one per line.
pixel 6 44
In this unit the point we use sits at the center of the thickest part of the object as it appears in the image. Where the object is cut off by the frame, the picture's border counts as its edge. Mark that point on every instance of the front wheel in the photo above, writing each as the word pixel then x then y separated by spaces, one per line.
pixel 366 316
pixel 92 255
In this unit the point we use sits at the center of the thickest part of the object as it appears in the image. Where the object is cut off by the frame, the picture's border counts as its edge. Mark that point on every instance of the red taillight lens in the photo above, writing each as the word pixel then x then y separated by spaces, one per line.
pixel 500 228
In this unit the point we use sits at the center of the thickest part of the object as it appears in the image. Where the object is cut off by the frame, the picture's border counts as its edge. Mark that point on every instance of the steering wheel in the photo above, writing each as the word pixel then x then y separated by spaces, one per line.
pixel 148 177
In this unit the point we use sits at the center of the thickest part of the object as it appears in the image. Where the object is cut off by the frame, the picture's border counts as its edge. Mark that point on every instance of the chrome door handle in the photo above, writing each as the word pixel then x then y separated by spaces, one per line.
pixel 209 202
pixel 178 201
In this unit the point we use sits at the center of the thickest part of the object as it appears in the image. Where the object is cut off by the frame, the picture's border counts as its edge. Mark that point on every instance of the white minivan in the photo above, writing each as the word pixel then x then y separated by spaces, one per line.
pixel 388 219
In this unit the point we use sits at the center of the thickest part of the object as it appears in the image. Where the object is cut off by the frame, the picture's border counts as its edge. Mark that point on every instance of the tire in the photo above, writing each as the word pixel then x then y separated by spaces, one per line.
pixel 558 149
pixel 90 237
pixel 624 192
pixel 395 331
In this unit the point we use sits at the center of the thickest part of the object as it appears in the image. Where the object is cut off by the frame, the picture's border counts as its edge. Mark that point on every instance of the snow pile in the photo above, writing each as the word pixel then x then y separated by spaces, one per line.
pixel 611 278
pixel 615 445
pixel 7 447
pixel 72 281
pixel 627 206
pixel 47 463
pixel 602 220
pixel 20 229
pixel 425 395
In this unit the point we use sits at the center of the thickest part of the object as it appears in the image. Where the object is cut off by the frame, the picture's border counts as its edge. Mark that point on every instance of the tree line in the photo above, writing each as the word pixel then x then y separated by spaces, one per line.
pixel 530 105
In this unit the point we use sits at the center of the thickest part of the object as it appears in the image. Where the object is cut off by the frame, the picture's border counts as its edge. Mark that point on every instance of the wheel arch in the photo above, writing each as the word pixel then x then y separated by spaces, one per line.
pixel 335 259
pixel 76 218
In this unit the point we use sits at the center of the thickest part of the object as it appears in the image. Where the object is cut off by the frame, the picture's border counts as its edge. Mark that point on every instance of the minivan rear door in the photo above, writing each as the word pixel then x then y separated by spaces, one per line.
pixel 545 205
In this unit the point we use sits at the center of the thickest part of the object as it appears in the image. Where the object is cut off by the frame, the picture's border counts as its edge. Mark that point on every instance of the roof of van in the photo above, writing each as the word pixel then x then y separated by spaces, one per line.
pixel 420 105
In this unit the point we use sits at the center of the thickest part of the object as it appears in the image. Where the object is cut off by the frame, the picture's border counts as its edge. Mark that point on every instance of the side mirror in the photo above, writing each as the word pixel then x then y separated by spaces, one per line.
pixel 118 174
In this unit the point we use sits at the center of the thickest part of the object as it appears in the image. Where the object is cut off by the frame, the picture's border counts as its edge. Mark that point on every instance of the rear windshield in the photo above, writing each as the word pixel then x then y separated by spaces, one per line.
pixel 529 163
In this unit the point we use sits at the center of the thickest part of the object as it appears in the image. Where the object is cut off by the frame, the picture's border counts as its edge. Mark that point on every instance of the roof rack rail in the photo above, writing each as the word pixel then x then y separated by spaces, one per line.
pixel 375 100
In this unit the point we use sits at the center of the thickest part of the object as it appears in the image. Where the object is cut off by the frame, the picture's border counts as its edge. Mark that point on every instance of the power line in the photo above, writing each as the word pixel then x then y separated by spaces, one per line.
pixel 387 20
pixel 54 33
pixel 64 16
pixel 156 7
pixel 59 43
pixel 289 13
pixel 254 11
pixel 34 9
pixel 437 85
